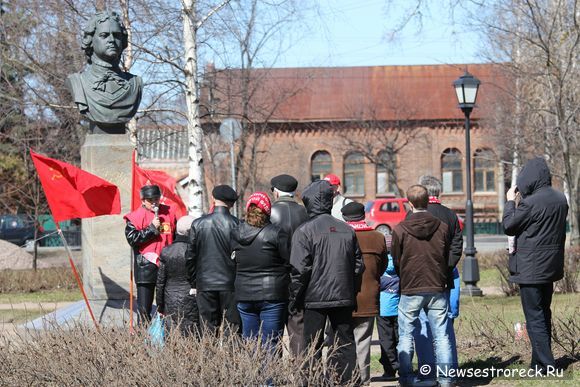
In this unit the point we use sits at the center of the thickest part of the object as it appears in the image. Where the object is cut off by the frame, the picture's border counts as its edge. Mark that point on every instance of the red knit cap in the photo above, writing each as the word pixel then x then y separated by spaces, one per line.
pixel 261 200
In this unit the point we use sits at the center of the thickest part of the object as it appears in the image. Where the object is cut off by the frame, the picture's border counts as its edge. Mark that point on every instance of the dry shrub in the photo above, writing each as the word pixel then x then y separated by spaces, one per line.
pixel 566 334
pixel 78 355
pixel 28 281
pixel 569 284
pixel 494 334
pixel 492 259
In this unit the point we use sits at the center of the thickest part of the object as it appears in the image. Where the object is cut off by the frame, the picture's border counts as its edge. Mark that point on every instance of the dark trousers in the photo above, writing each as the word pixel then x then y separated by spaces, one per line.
pixel 344 358
pixel 214 306
pixel 145 293
pixel 388 328
pixel 295 326
pixel 536 301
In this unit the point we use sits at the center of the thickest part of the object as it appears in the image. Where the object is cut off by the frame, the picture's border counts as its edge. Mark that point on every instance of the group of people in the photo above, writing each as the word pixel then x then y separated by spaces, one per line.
pixel 313 271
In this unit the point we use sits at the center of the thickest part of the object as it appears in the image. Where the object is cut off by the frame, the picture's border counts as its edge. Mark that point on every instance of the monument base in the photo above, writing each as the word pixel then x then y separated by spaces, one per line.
pixel 106 254
pixel 109 313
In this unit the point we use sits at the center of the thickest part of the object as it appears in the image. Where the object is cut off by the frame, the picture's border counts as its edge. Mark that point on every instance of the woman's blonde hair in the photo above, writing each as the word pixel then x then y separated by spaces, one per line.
pixel 256 217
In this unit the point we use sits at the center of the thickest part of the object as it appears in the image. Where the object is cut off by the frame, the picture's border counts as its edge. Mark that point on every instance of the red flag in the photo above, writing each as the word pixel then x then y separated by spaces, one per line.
pixel 165 182
pixel 74 193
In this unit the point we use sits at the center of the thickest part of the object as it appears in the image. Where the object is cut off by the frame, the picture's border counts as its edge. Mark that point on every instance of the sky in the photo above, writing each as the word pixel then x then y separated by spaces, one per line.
pixel 354 33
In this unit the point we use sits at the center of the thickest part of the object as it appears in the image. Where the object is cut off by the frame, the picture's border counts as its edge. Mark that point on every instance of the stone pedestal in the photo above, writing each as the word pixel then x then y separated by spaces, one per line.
pixel 106 254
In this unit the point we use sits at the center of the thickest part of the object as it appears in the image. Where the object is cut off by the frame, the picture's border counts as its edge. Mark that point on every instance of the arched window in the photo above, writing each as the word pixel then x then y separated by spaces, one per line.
pixel 320 165
pixel 484 168
pixel 451 171
pixel 354 174
pixel 386 173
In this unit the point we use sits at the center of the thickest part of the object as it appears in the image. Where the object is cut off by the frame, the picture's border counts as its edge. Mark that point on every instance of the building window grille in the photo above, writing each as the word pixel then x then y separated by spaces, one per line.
pixel 484 170
pixel 452 171
pixel 320 165
pixel 354 174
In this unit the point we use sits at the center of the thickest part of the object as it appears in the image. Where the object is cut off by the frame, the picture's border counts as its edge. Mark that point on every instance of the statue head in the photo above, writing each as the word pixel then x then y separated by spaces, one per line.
pixel 105 36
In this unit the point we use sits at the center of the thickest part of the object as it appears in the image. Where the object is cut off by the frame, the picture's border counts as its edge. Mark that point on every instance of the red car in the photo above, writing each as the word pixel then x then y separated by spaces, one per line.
pixel 384 214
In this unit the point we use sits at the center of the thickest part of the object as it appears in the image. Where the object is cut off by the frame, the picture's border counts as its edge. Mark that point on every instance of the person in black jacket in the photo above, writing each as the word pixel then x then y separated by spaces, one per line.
pixel 538 223
pixel 261 253
pixel 424 337
pixel 326 265
pixel 173 288
pixel 148 229
pixel 289 215
pixel 209 265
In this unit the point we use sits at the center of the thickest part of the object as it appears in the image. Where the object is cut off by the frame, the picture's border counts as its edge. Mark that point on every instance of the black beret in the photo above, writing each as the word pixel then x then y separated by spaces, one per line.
pixel 353 211
pixel 150 191
pixel 284 183
pixel 224 193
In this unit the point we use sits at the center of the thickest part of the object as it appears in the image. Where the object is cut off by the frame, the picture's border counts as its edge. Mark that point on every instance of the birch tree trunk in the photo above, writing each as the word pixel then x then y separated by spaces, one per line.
pixel 127 63
pixel 195 134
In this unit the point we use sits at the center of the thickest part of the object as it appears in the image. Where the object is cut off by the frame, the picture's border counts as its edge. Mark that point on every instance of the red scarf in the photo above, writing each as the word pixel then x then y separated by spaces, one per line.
pixel 434 200
pixel 141 218
pixel 359 225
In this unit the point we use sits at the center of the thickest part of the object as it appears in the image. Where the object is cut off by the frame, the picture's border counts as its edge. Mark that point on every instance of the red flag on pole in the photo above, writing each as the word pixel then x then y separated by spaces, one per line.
pixel 74 193
pixel 165 182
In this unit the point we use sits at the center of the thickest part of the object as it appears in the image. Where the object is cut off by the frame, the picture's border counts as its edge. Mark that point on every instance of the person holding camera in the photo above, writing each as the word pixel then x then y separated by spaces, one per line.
pixel 538 223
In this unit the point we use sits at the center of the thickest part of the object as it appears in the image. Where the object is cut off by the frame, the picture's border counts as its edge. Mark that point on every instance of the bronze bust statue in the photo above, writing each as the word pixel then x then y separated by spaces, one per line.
pixel 107 96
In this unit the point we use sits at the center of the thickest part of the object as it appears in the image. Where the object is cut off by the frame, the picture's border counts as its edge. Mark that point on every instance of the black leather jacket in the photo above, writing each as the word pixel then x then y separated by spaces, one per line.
pixel 145 271
pixel 288 215
pixel 209 262
pixel 262 267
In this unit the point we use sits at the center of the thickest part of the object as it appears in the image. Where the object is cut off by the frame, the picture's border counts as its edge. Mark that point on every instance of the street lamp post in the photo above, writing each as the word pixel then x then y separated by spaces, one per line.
pixel 466 88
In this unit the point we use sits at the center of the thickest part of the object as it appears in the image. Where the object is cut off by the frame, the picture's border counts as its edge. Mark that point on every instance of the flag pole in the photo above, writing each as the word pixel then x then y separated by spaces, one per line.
pixel 131 330
pixel 76 274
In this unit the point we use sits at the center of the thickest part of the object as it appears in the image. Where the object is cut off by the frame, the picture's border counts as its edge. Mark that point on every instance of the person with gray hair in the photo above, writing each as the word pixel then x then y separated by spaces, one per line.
pixel 174 298
pixel 424 338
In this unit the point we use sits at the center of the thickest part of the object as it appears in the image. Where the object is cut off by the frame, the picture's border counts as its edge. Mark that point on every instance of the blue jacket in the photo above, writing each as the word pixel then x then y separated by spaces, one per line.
pixel 390 292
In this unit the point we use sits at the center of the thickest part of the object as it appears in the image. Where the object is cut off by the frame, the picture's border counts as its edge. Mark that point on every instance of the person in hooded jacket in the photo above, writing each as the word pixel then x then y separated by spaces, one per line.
pixel 423 337
pixel 326 265
pixel 538 223
pixel 173 289
pixel 260 250
pixel 420 250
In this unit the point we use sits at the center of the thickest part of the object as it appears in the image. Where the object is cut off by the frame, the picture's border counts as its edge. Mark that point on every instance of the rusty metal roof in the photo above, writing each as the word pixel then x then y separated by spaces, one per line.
pixel 383 93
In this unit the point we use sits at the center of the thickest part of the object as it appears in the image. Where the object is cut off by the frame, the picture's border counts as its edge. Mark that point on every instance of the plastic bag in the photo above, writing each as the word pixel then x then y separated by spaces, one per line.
pixel 157 331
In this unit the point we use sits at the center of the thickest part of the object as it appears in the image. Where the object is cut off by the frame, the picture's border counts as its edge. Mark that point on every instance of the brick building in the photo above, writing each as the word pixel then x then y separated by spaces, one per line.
pixel 378 128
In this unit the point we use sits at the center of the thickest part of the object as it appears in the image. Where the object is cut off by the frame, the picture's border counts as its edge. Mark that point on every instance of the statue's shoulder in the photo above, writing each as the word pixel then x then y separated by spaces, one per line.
pixel 136 80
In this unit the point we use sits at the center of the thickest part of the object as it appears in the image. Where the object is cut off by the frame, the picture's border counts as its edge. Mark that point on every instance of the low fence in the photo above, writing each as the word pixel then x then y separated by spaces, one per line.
pixel 73 239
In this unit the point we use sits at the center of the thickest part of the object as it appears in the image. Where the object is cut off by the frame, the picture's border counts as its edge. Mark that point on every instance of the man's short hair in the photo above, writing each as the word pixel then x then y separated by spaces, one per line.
pixel 432 184
pixel 418 196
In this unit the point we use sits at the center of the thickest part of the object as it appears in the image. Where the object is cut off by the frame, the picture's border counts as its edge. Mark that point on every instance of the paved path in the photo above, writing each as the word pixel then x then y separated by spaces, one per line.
pixel 48 306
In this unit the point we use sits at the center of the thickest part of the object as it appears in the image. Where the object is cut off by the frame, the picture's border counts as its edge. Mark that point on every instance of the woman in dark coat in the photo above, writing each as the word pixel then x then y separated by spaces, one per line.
pixel 174 296
pixel 262 272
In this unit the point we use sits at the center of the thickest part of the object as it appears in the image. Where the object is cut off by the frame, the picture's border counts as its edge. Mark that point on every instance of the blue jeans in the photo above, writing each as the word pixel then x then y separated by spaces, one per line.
pixel 264 317
pixel 436 308
pixel 424 338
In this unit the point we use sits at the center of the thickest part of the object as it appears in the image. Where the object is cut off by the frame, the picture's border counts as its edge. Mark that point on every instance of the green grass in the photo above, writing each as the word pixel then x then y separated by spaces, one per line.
pixel 61 295
pixel 497 315
pixel 489 277
pixel 17 316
